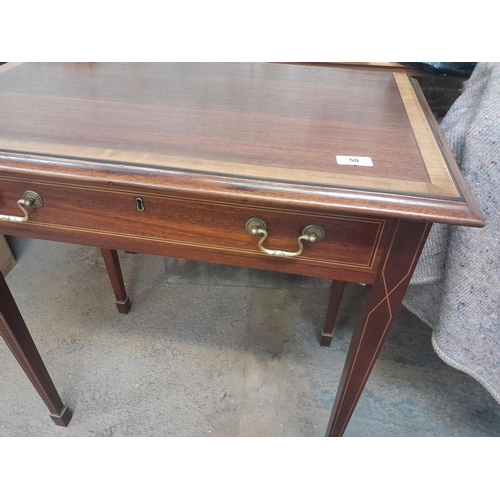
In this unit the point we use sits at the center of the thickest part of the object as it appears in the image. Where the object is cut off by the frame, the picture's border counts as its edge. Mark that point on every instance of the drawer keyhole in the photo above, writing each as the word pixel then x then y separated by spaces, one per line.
pixel 140 204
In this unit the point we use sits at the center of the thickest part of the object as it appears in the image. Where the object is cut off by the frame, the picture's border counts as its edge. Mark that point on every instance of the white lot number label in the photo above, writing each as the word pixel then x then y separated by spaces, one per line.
pixel 358 161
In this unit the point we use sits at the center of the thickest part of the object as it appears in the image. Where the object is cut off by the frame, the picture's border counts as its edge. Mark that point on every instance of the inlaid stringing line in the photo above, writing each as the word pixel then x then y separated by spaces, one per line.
pixel 429 149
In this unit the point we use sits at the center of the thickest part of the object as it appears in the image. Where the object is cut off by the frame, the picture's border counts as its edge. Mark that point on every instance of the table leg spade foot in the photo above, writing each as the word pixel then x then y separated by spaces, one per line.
pixel 63 417
pixel 326 339
pixel 124 306
pixel 112 262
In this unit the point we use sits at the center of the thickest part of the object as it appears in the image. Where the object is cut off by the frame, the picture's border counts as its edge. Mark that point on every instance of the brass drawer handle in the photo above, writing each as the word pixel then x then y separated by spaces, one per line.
pixel 310 233
pixel 31 199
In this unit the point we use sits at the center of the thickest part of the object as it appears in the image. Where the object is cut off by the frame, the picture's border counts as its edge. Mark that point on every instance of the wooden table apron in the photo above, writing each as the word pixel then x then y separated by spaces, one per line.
pixel 372 236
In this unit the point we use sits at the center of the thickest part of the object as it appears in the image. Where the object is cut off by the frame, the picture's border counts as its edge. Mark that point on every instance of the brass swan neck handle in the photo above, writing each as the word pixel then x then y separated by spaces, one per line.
pixel 31 199
pixel 310 233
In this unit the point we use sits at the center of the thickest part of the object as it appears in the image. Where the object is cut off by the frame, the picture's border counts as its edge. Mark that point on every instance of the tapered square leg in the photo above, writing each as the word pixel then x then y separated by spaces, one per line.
pixel 336 292
pixel 380 306
pixel 112 263
pixel 17 337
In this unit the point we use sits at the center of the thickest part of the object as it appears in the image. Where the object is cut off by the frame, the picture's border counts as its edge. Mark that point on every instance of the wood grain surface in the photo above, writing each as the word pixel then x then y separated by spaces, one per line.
pixel 175 226
pixel 263 121
pixel 392 67
pixel 268 131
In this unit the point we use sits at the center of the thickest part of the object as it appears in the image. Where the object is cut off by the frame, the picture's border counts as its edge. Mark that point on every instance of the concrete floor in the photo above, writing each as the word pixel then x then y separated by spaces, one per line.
pixel 202 355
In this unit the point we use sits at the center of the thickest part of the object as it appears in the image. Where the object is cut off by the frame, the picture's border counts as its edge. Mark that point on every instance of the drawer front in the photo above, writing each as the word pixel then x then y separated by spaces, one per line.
pixel 160 224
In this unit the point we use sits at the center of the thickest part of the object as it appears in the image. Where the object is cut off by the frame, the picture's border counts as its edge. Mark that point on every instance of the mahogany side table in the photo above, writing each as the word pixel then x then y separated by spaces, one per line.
pixel 330 173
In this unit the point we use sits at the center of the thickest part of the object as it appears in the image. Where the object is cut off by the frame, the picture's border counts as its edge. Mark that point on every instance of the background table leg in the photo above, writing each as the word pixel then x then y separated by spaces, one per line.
pixel 112 263
pixel 336 293
pixel 17 337
pixel 380 306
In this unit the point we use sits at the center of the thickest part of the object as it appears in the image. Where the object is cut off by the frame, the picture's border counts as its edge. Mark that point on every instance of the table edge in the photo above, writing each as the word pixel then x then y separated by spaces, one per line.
pixel 194 185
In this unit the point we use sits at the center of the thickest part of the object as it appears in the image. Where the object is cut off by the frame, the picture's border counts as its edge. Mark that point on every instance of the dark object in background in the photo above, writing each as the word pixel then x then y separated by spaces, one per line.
pixel 444 83
pixel 464 69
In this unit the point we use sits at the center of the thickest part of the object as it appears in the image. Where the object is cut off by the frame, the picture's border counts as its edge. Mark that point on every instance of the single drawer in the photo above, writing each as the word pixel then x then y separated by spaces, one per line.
pixel 194 229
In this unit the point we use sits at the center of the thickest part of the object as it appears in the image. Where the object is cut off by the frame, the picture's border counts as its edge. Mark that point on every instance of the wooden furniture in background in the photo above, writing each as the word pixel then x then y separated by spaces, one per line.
pixel 223 163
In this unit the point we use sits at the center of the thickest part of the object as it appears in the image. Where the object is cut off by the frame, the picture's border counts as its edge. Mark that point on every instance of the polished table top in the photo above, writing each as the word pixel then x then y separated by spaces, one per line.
pixel 250 123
